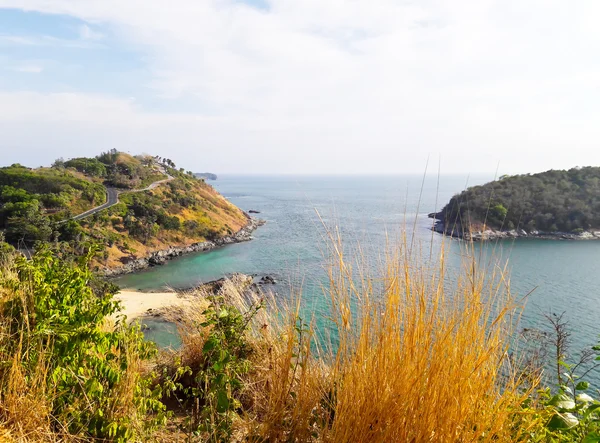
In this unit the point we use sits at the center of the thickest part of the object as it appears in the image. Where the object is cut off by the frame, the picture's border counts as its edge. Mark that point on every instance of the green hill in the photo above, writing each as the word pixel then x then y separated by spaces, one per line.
pixel 31 200
pixel 549 202
pixel 37 205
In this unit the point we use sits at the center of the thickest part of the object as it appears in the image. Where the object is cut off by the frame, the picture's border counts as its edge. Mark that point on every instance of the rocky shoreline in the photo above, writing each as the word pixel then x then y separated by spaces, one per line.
pixel 158 258
pixel 460 232
pixel 167 306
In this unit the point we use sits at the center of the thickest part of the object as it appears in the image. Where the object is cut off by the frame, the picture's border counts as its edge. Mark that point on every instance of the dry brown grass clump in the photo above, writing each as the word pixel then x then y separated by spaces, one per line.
pixel 412 359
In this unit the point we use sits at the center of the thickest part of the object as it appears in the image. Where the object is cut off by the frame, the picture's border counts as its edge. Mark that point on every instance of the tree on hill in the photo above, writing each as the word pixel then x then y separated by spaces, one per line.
pixel 89 166
pixel 59 163
pixel 169 162
pixel 109 157
pixel 29 226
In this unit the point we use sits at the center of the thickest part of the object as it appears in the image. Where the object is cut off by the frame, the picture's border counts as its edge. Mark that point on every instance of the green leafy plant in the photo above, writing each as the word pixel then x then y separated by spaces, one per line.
pixel 53 315
pixel 571 413
pixel 211 386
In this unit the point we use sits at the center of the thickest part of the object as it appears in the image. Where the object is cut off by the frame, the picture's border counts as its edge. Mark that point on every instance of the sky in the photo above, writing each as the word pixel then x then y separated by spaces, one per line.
pixel 304 86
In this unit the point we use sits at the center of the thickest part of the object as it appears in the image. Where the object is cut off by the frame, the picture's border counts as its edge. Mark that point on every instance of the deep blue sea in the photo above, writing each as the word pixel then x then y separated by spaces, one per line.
pixel 373 212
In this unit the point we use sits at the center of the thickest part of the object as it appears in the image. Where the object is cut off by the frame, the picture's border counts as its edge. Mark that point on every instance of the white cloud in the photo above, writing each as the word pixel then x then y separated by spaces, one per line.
pixel 347 86
pixel 46 41
pixel 87 33
pixel 28 68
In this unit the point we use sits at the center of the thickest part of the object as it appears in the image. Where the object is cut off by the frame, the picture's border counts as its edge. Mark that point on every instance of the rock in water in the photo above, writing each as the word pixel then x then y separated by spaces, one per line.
pixel 267 280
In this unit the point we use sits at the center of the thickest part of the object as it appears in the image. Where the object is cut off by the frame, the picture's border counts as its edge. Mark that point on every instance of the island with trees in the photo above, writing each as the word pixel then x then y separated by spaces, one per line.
pixel 556 204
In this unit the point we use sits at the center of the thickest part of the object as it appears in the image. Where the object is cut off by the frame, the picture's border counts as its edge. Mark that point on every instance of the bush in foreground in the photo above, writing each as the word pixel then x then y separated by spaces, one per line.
pixel 65 372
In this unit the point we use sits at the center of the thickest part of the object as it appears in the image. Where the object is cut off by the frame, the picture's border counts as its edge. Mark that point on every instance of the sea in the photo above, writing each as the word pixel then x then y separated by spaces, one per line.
pixel 372 214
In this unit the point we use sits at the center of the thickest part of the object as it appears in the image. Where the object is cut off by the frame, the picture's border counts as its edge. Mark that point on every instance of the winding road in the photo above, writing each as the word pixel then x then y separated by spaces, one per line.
pixel 112 197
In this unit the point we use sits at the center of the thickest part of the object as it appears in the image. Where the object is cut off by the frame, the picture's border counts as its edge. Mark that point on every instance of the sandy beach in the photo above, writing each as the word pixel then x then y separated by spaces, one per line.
pixel 136 304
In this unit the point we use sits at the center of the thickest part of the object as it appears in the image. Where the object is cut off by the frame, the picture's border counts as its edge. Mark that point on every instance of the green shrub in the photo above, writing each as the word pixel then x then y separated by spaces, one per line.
pixel 120 209
pixel 54 318
pixel 169 222
pixel 211 385
pixel 6 251
pixel 89 166
pixel 70 231
pixel 499 212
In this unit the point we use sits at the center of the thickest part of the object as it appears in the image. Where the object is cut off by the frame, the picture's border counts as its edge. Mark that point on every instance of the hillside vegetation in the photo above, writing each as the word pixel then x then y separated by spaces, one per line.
pixel 116 169
pixel 565 201
pixel 32 199
pixel 183 211
pixel 36 205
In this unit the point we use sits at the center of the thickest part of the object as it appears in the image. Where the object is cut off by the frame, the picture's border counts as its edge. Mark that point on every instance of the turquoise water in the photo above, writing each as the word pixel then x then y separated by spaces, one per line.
pixel 290 246
pixel 564 276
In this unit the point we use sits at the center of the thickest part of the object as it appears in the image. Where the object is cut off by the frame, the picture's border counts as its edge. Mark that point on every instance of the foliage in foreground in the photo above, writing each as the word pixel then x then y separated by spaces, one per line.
pixel 409 362
pixel 63 370
pixel 571 412
pixel 207 376
pixel 411 359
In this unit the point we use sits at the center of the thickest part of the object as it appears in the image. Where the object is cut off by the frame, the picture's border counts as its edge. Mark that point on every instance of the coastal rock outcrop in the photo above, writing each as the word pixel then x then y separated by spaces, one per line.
pixel 457 230
pixel 243 282
pixel 158 258
pixel 267 280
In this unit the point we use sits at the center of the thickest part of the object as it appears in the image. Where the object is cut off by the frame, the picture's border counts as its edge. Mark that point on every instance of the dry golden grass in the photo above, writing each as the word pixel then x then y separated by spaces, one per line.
pixel 25 402
pixel 417 363
pixel 414 359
